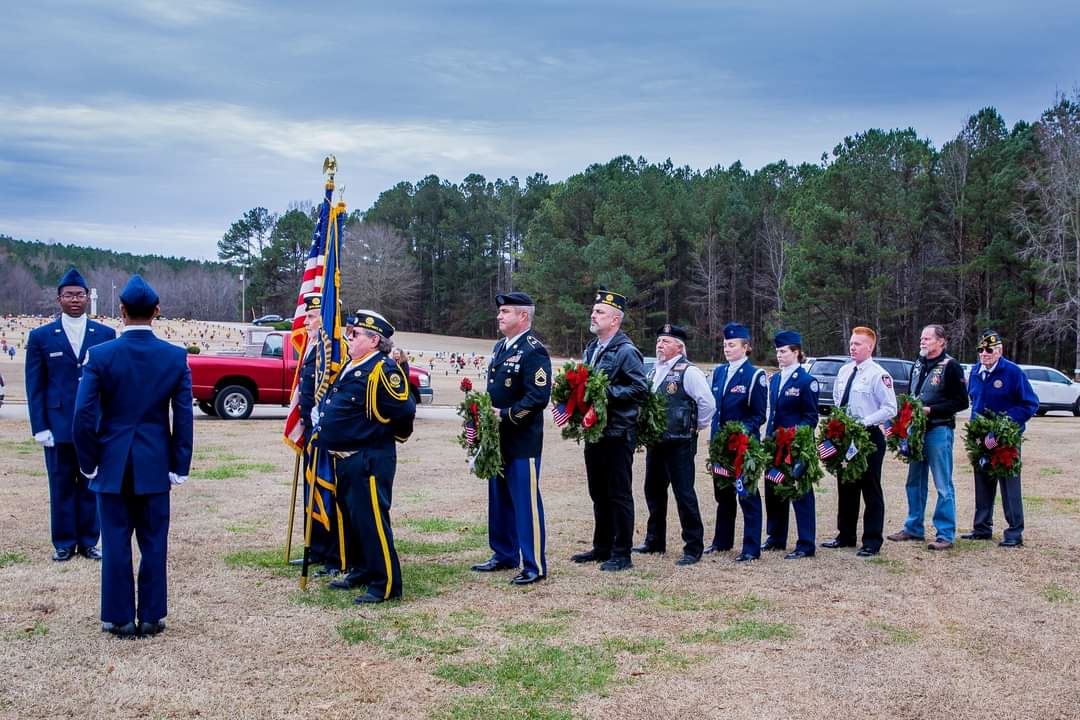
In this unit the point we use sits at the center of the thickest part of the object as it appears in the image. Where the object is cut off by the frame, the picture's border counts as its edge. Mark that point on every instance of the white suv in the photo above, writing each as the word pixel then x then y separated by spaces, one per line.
pixel 1055 390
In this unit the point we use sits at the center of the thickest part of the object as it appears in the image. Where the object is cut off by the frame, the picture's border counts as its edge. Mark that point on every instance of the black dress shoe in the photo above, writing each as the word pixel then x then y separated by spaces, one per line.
pixel 796 554
pixel 146 629
pixel 745 558
pixel 493 565
pixel 343 583
pixel 526 577
pixel 62 554
pixel 90 553
pixel 127 630
pixel 587 557
pixel 836 543
pixel 1011 543
pixel 647 549
pixel 688 559
pixel 327 572
pixel 616 564
pixel 973 536
pixel 368 599
pixel 770 545
pixel 866 552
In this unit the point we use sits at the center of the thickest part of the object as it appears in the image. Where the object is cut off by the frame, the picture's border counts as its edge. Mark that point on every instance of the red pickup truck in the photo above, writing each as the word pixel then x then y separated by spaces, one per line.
pixel 229 386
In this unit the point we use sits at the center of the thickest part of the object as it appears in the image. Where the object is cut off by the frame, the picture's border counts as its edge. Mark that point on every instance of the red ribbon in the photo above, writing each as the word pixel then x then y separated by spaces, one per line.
pixel 835 430
pixel 784 438
pixel 738 443
pixel 903 421
pixel 1004 456
pixel 474 409
pixel 590 418
pixel 577 379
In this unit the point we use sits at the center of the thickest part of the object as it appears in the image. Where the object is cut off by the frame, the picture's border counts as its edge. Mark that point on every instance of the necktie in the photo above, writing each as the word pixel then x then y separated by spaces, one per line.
pixel 847 388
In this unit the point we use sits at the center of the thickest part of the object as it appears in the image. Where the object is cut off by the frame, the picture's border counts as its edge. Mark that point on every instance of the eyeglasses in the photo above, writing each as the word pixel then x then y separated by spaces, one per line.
pixel 73 296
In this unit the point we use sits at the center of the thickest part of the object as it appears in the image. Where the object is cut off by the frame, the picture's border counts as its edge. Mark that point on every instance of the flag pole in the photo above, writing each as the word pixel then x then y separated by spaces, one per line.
pixel 292 508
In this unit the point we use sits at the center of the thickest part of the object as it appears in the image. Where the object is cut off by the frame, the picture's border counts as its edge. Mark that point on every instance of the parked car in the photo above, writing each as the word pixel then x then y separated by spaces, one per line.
pixel 229 386
pixel 1055 390
pixel 267 320
pixel 825 369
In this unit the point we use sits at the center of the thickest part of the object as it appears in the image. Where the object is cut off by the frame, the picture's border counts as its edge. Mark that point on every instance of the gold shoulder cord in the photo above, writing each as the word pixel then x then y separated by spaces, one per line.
pixel 378 376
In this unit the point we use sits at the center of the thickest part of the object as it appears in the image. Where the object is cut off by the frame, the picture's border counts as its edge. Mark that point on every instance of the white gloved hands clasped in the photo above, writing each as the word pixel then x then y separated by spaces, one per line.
pixel 315 416
pixel 45 438
pixel 175 479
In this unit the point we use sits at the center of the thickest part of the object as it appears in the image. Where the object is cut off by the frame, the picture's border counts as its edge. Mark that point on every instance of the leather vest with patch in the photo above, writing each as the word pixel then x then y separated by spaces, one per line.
pixel 931 387
pixel 682 410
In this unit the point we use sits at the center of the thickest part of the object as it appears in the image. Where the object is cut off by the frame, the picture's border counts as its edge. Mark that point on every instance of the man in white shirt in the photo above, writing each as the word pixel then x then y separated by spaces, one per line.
pixel 865 389
pixel 690 407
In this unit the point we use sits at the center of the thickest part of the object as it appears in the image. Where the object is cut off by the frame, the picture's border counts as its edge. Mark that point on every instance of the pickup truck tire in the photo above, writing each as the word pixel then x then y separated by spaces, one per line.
pixel 1076 408
pixel 207 408
pixel 234 403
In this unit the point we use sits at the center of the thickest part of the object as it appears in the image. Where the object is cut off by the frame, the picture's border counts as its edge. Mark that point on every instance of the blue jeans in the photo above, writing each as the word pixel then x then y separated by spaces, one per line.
pixel 938 452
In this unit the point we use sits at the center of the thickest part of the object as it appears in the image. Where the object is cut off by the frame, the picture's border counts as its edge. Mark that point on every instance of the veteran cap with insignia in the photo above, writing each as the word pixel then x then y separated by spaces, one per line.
pixel 989 340
pixel 669 330
pixel 371 320
pixel 138 297
pixel 71 278
pixel 312 301
pixel 735 331
pixel 614 299
pixel 787 337
pixel 513 298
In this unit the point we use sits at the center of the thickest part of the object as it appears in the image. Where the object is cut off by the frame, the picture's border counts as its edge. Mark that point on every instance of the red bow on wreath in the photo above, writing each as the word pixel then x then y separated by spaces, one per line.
pixel 784 438
pixel 577 380
pixel 1004 456
pixel 903 421
pixel 738 444
pixel 474 409
pixel 835 430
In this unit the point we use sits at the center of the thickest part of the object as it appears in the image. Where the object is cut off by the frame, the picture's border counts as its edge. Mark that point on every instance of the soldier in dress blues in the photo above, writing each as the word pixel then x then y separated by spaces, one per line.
pixel 999 385
pixel 367 410
pixel 519 384
pixel 793 401
pixel 741 394
pixel 55 354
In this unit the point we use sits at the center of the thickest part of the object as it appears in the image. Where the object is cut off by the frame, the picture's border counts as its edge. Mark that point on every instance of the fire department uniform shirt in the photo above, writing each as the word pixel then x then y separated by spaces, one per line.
pixel 872 399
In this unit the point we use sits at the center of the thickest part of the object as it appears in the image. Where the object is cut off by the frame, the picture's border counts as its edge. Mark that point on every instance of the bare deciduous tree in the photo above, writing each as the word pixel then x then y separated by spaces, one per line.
pixel 377 271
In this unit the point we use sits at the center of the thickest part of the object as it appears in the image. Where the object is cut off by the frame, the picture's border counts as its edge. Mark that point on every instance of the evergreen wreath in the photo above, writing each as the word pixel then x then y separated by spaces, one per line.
pixel 792 463
pixel 844 445
pixel 736 458
pixel 479 433
pixel 992 442
pixel 905 434
pixel 652 420
pixel 580 396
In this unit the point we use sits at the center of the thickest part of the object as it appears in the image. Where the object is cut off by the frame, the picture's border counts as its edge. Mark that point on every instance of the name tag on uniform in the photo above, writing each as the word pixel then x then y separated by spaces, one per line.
pixel 55 354
pixel 792 392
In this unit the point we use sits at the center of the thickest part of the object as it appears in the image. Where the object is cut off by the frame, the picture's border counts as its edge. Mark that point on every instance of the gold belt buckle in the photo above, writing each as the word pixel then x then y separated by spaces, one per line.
pixel 342 454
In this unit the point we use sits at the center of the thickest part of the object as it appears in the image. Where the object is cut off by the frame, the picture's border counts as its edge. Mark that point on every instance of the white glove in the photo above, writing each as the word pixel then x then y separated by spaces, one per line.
pixel 45 438
pixel 175 479
pixel 314 416
pixel 89 475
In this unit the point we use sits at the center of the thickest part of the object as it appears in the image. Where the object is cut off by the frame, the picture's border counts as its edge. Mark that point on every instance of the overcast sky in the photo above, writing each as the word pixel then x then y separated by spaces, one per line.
pixel 150 125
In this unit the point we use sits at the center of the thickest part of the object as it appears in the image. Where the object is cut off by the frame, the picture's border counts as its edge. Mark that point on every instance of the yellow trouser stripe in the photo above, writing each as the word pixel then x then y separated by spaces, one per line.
pixel 534 493
pixel 382 537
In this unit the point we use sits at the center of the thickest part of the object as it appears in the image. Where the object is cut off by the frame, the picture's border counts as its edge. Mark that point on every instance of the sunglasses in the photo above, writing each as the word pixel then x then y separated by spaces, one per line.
pixel 986 351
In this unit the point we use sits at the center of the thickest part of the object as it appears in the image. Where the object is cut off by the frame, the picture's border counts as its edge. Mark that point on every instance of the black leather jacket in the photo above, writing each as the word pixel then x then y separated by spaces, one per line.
pixel 627 387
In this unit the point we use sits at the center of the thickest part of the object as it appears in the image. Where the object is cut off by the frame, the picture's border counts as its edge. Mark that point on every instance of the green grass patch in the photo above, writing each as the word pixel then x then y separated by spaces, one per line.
pixel 890 565
pixel 535 630
pixel 897 635
pixel 1056 594
pixel 407 635
pixel 467 619
pixel 246 528
pixel 1050 471
pixel 634 646
pixel 232 470
pixel 966 546
pixel 430 579
pixel 1035 503
pixel 272 559
pixel 12 557
pixel 355 631
pixel 741 631
pixel 318 595
pixel 693 603
pixel 446 525
pixel 427 548
pixel 22 448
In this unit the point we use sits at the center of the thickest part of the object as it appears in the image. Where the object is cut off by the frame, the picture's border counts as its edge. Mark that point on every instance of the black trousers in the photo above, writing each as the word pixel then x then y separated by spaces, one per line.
pixel 1012 504
pixel 868 487
pixel 365 489
pixel 609 467
pixel 672 463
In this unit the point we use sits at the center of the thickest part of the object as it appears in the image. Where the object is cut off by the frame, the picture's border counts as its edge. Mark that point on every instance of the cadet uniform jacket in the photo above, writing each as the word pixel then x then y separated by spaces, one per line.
pixel 745 398
pixel 793 404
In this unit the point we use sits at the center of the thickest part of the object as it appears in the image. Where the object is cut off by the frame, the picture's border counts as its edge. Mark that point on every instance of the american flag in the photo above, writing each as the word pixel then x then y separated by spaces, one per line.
pixel 721 471
pixel 470 433
pixel 774 475
pixel 826 450
pixel 312 282
pixel 990 441
pixel 888 429
pixel 559 414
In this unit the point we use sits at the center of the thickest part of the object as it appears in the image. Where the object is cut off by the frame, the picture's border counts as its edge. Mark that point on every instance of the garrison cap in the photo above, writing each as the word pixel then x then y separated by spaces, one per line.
pixel 371 320
pixel 669 330
pixel 989 340
pixel 735 331
pixel 137 296
pixel 787 337
pixel 513 298
pixel 312 301
pixel 71 278
pixel 614 299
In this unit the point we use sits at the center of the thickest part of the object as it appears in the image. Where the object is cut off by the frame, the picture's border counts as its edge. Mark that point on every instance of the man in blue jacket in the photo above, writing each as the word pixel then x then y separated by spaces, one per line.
pixel 133 456
pixel 54 356
pixel 1000 386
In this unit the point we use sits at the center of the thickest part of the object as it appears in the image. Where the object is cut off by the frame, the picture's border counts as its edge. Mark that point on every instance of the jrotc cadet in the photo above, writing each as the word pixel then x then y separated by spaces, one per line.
pixel 793 399
pixel 609 461
pixel 741 393
pixel 690 408
pixel 134 454
pixel 367 410
pixel 1000 386
pixel 54 357
pixel 865 390
pixel 519 384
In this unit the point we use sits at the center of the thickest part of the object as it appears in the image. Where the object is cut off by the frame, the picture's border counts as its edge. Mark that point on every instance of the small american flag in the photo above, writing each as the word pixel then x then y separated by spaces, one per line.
pixel 888 429
pixel 774 475
pixel 470 433
pixel 990 441
pixel 721 471
pixel 826 450
pixel 559 414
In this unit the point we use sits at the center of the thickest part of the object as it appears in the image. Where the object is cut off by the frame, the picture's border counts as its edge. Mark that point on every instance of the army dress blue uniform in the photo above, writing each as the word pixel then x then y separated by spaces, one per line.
pixel 519 383
pixel 367 411
pixel 53 369
pixel 793 401
pixel 741 396
pixel 134 454
pixel 1004 388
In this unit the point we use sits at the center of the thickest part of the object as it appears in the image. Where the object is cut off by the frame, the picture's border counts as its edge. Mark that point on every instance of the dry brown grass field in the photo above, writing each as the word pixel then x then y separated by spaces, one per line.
pixel 976 632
